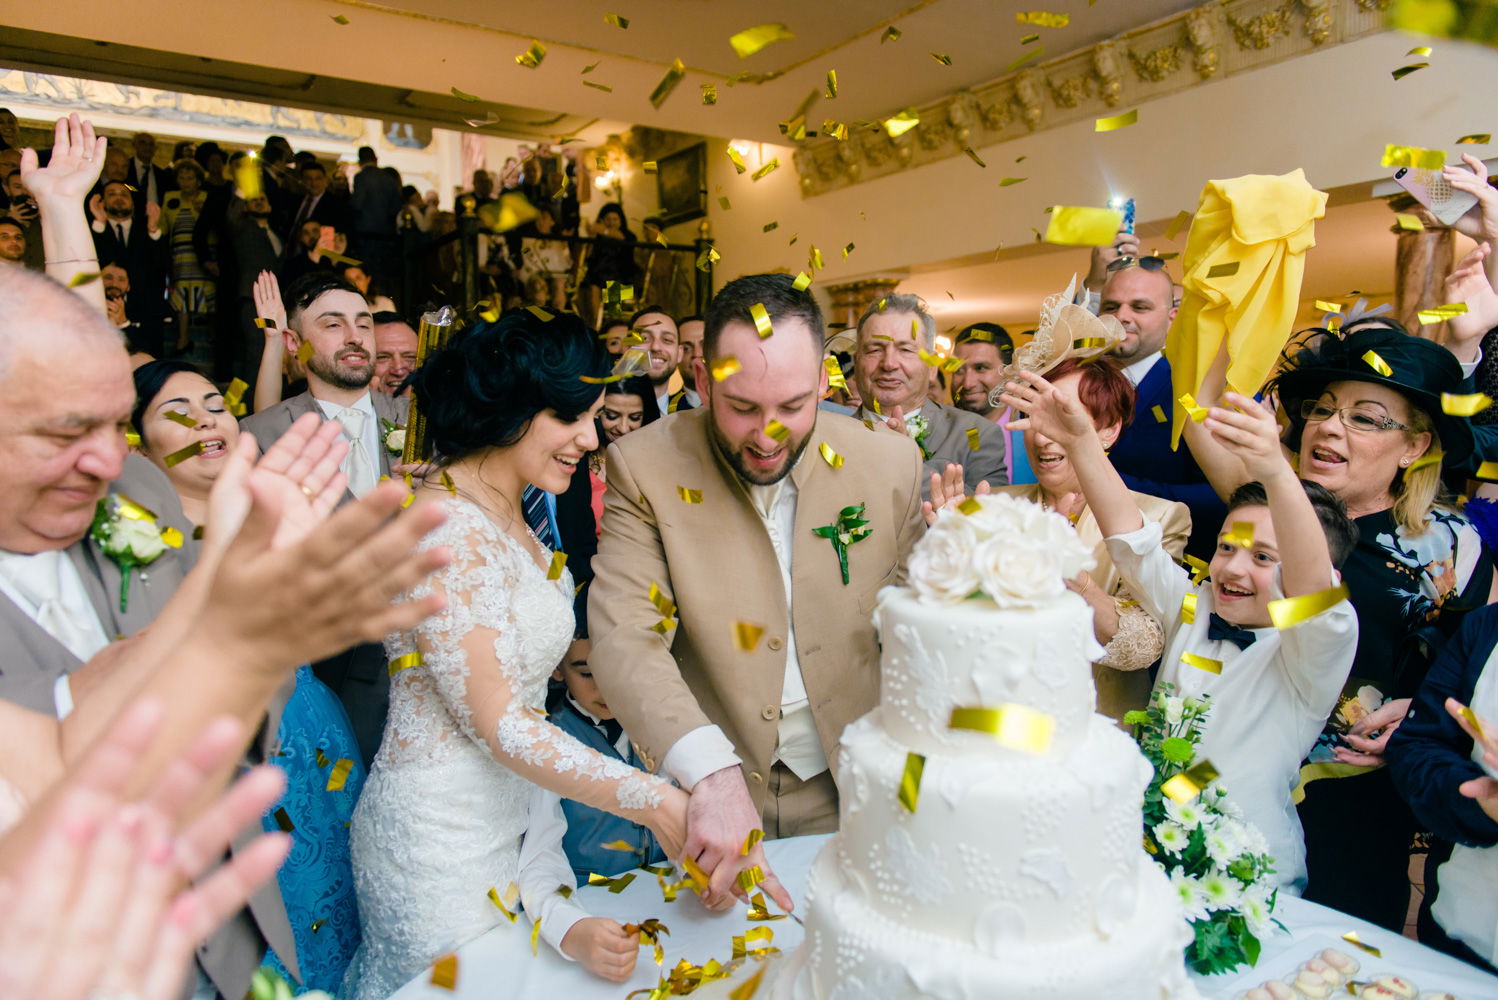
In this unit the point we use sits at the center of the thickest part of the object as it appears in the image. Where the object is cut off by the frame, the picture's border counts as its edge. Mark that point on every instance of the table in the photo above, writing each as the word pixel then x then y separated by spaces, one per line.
pixel 500 964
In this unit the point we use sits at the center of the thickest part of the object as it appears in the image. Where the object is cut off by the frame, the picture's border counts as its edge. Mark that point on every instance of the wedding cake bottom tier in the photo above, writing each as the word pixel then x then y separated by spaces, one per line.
pixel 1057 836
pixel 853 952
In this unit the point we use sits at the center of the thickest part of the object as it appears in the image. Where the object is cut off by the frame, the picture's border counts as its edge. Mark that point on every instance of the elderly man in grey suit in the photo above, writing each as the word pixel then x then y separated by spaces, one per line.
pixel 894 382
pixel 327 315
pixel 65 399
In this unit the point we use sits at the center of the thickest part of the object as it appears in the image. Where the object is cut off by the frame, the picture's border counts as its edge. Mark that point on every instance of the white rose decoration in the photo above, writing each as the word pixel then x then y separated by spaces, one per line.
pixel 942 569
pixel 396 440
pixel 141 539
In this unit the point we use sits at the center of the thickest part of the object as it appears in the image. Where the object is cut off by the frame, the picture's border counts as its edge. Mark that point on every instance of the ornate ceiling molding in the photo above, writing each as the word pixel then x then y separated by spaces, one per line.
pixel 1214 40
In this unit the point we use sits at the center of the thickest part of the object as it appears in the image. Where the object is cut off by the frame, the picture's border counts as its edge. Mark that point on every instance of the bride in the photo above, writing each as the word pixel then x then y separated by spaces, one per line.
pixel 445 804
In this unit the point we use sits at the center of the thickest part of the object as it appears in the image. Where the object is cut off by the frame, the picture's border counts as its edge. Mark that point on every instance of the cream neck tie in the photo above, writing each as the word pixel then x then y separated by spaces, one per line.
pixel 360 467
pixel 39 581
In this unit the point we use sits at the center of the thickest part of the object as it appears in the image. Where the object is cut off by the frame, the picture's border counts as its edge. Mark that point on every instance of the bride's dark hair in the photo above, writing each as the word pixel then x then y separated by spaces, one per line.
pixel 483 389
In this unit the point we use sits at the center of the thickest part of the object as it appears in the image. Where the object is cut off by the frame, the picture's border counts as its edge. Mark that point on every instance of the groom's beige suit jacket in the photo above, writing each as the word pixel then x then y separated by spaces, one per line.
pixel 714 559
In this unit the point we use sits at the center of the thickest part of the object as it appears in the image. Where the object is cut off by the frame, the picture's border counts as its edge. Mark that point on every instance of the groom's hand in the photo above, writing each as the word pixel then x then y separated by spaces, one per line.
pixel 719 818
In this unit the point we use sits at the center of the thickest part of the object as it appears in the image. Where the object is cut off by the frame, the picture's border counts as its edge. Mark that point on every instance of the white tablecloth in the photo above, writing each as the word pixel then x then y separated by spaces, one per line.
pixel 500 964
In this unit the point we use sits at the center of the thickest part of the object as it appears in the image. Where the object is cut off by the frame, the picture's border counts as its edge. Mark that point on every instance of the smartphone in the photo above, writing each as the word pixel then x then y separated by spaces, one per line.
pixel 1126 206
pixel 1435 192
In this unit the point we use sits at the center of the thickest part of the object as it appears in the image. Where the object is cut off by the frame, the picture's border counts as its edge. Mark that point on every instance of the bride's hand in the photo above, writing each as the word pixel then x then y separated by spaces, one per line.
pixel 669 823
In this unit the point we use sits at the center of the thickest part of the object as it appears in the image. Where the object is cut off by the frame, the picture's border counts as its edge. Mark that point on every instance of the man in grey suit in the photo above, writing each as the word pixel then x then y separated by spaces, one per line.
pixel 894 382
pixel 65 398
pixel 327 315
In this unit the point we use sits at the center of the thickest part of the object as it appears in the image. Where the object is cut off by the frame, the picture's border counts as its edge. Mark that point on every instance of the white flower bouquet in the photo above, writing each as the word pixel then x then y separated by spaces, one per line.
pixel 1218 862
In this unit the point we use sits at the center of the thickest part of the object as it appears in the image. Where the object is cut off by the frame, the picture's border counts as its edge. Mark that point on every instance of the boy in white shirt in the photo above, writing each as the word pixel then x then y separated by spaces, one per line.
pixel 1271 689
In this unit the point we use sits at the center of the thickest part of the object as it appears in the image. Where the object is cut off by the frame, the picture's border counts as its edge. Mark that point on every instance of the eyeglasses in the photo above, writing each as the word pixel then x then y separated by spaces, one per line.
pixel 1148 263
pixel 1352 418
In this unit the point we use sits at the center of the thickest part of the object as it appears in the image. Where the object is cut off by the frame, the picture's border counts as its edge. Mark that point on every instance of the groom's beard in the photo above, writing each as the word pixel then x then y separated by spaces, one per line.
pixel 735 457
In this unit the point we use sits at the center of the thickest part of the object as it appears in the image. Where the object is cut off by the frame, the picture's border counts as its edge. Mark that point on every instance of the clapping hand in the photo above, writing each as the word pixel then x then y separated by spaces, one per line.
pixel 1367 751
pixel 1046 411
pixel 301 470
pixel 1250 434
pixel 948 489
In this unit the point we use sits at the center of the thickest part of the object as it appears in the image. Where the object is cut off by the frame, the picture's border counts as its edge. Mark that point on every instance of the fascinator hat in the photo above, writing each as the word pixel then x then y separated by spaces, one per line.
pixel 1419 370
pixel 1066 330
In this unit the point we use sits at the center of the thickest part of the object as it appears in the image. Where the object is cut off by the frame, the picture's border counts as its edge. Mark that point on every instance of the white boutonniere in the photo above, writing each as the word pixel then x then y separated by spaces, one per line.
pixel 395 436
pixel 920 429
pixel 130 537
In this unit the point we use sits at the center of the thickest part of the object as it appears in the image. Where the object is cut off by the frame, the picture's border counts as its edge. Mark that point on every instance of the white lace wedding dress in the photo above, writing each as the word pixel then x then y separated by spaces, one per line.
pixel 444 807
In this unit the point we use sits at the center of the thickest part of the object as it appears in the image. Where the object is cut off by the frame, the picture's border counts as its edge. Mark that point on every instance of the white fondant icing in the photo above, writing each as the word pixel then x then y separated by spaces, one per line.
pixel 1047 866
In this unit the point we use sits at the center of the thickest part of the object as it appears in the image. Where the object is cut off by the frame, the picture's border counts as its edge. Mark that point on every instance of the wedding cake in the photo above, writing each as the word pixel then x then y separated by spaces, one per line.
pixel 990 838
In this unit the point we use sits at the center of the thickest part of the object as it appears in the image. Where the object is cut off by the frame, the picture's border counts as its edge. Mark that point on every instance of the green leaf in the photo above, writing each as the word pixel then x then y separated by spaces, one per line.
pixel 1177 750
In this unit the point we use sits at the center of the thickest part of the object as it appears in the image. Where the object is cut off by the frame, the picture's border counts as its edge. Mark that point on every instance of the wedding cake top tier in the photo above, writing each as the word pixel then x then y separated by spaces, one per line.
pixel 988 629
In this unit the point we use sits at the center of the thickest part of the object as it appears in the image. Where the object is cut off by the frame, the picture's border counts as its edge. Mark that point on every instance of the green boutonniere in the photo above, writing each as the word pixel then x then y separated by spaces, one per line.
pixel 847 529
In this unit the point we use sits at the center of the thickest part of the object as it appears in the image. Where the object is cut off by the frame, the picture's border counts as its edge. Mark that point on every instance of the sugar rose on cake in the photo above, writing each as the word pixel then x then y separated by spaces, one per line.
pixel 1012 551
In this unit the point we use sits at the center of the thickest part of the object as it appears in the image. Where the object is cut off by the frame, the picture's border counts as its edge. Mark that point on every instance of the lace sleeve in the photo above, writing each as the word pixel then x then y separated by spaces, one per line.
pixel 1138 641
pixel 491 644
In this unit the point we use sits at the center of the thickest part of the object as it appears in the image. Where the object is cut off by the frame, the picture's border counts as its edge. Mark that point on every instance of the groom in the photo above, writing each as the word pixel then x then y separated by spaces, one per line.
pixel 742 689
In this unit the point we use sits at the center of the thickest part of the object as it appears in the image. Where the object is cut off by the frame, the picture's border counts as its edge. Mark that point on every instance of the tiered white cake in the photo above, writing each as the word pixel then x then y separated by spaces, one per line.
pixel 1021 872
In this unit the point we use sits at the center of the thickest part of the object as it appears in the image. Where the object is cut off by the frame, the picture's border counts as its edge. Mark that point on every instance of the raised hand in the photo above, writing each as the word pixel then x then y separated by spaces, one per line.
pixel 948 489
pixel 1471 285
pixel 1250 434
pixel 1123 245
pixel 70 173
pixel 268 304
pixel 1481 220
pixel 1046 411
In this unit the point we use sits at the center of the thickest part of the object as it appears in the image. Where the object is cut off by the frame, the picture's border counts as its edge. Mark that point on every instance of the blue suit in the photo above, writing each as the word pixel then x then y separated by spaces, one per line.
pixel 588 829
pixel 1143 457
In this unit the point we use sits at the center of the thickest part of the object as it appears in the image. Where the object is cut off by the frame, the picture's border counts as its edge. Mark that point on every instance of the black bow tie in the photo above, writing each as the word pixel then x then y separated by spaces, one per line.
pixel 611 731
pixel 1220 628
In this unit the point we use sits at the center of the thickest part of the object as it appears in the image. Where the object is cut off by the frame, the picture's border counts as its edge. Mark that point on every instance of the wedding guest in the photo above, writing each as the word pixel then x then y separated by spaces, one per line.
pixel 151 183
pixel 1271 688
pixel 984 349
pixel 660 340
pixel 136 243
pixel 176 411
pixel 609 258
pixel 752 733
pixel 612 334
pixel 1444 768
pixel 689 336
pixel 22 211
pixel 894 384
pixel 395 352
pixel 192 290
pixel 374 204
pixel 12 242
pixel 305 253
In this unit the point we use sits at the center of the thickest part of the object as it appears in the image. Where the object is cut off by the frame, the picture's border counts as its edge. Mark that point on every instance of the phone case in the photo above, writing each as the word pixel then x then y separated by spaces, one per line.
pixel 1435 192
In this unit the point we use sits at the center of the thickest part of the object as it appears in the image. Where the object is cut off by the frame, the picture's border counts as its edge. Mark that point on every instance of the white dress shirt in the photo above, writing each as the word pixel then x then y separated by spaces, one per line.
pixel 1138 369
pixel 373 438
pixel 543 866
pixel 867 414
pixel 147 176
pixel 24 575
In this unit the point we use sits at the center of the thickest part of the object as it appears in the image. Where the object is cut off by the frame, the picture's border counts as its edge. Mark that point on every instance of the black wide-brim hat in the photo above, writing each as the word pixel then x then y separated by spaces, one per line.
pixel 1420 370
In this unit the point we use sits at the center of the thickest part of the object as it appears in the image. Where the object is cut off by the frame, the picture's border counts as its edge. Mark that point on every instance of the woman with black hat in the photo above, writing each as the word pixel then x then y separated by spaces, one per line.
pixel 1366 421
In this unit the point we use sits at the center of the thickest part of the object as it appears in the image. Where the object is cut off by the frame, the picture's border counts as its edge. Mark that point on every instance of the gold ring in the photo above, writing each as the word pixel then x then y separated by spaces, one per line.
pixel 307 491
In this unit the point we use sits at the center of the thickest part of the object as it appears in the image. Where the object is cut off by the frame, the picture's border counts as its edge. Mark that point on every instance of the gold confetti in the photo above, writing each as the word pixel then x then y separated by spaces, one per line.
pixel 974 156
pixel 183 454
pixel 1404 71
pixel 616 20
pixel 1206 663
pixel 1181 219
pixel 618 845
pixel 531 57
pixel 942 58
pixel 338 258
pixel 1472 720
pixel 668 83
pixel 1325 306
pixel 600 86
pixel 558 562
pixel 1042 19
pixel 1378 364
pixel 1116 121
pixel 709 93
pixel 974 439
pixel 1475 139
pixel 1290 611
pixel 340 19
pixel 751 40
pixel 615 885
pixel 1464 405
pixel 262 322
pixel 535 935
pixel 321 758
pixel 171 537
pixel 1159 413
pixel 835 377
pixel 1351 937
pixel 739 166
pixel 802 282
pixel 1225 270
pixel 830 456
pixel 847 250
pixel 910 780
pixel 462 96
pixel 814 260
pixel 445 972
pixel 1429 458
pixel 1028 39
pixel 1487 470
pixel 746 636
pixel 1242 535
pixel 761 320
pixel 1441 313
pixel 891 34
pixel 403 662
pixel 79 280
pixel 749 878
pixel 1406 221
pixel 1034 53
pixel 1012 725
pixel 831 90
pixel 1188 609
pixel 769 227
pixel 1010 181
pixel 776 430
pixel 707 258
pixel 1187 785
pixel 283 820
pixel 755 836
pixel 1413 156
pixel 181 418
pixel 304 352
pixel 836 129
pixel 1423 51
pixel 902 122
pixel 338 777
pixel 766 170
pixel 1197 567
pixel 747 989
pixel 662 603
pixel 723 203
pixel 689 495
pixel 1085 227
pixel 722 369
pixel 970 505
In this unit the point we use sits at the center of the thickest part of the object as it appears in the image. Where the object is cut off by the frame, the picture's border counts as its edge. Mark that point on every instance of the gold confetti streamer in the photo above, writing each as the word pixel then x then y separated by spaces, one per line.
pixel 649 166
pixel 1182 218
pixel 709 93
pixel 1042 19
pixel 531 57
pixel 724 204
pixel 181 418
pixel 1188 609
pixel 1226 270
pixel 751 40
pixel 1195 412
pixel 830 456
pixel 708 258
pixel 262 322
pixel 769 227
pixel 831 90
pixel 1408 222
pixel 1116 121
pixel 802 282
pixel 321 758
pixel 1012 725
pixel 1404 71
pixel 171 537
pixel 1071 225
pixel 535 935
pixel 1441 313
pixel 1330 307
pixel 1413 156
pixel 970 505
pixel 1028 39
pixel 1464 405
pixel 1034 53
pixel 891 34
pixel 1197 567
pixel 618 845
pixel 558 562
pixel 183 454
pixel 1378 364
pixel 1429 458
pixel 462 96
pixel 616 20
pixel 340 19
pixel 1009 181
pixel 506 903
pixel 766 170
pixel 836 129
pixel 1423 51
pixel 403 662
pixel 1472 720
pixel 778 431
pixel 739 166
pixel 942 58
pixel 234 396
pixel 835 378
pixel 445 972
pixel 79 280
pixel 1159 413
pixel 814 260
pixel 1242 535
pixel 761 320
pixel 755 836
pixel 1475 139
pixel 974 439
pixel 338 777
pixel 1206 663
pixel 910 780
pixel 600 86
pixel 1487 470
pixel 283 820
pixel 1290 611
pixel 615 885
pixel 974 156
pixel 668 83
pixel 722 369
pixel 689 495
pixel 1187 785
pixel 746 636
pixel 662 603
pixel 304 352
pixel 748 879
pixel 695 873
pixel 902 122
pixel 1351 937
